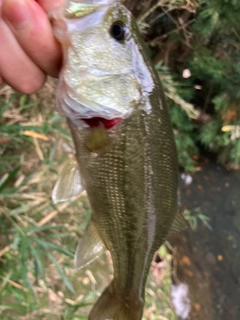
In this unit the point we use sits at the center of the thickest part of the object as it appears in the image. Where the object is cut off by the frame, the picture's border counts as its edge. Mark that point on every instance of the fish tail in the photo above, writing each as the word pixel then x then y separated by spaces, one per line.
pixel 112 306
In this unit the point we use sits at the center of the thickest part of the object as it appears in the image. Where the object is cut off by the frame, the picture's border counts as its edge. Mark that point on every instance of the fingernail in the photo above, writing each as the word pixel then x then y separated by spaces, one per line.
pixel 16 12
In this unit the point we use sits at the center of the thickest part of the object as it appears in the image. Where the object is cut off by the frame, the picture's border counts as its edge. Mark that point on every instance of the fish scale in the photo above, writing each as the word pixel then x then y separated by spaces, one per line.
pixel 129 184
pixel 129 169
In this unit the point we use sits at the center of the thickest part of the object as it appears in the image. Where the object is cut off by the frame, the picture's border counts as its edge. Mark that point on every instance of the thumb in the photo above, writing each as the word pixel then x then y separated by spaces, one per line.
pixel 49 5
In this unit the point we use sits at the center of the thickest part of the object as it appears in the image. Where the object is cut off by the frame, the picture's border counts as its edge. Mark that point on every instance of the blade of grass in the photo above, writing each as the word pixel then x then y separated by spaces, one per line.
pixel 58 236
pixel 24 257
pixel 36 253
pixel 16 240
pixel 43 228
pixel 20 210
pixel 47 245
pixel 10 177
pixel 61 273
pixel 7 105
pixel 12 307
pixel 71 310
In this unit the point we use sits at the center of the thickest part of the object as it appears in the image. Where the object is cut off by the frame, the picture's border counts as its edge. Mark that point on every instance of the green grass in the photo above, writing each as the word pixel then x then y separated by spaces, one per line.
pixel 37 238
pixel 195 216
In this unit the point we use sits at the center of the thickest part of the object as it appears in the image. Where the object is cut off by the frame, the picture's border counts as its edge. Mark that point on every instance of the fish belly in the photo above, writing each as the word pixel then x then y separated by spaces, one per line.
pixel 132 190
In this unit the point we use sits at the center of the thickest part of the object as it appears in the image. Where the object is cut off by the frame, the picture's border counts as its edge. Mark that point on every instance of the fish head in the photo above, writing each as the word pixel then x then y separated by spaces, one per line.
pixel 104 75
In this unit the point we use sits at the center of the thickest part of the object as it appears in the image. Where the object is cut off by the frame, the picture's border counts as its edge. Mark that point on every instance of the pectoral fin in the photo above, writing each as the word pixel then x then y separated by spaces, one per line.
pixel 89 247
pixel 69 185
pixel 179 224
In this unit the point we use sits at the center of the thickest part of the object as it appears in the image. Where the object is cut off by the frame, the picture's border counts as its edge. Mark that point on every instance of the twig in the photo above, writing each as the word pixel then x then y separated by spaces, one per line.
pixel 15 284
pixel 51 215
pixel 172 31
pixel 38 149
pixel 159 16
pixel 5 250
pixel 36 135
pixel 174 266
pixel 188 107
pixel 144 16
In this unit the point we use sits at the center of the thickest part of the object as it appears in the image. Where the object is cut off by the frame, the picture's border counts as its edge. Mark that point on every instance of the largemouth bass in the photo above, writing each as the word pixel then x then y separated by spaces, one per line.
pixel 127 162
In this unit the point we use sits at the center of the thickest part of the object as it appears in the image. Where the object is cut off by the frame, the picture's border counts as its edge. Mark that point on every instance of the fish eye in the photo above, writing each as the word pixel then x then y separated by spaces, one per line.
pixel 118 30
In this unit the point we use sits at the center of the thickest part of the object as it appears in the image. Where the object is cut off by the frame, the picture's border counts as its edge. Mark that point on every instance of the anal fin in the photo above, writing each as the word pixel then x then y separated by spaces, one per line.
pixel 179 224
pixel 89 248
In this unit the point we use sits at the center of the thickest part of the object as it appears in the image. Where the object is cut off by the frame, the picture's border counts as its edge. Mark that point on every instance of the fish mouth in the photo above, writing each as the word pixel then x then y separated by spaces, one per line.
pixel 106 123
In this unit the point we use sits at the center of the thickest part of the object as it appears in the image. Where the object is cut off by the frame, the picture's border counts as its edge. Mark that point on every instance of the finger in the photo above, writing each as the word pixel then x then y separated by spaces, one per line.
pixel 16 68
pixel 33 31
pixel 1 81
pixel 49 5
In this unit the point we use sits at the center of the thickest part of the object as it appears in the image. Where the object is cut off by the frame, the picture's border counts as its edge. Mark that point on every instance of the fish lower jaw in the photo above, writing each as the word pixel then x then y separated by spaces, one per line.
pixel 106 123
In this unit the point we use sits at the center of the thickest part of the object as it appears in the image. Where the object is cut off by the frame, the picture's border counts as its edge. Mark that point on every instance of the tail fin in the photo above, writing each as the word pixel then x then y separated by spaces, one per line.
pixel 111 306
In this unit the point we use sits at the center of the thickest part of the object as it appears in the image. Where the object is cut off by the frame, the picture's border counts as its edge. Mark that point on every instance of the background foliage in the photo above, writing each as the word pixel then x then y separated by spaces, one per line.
pixel 195 48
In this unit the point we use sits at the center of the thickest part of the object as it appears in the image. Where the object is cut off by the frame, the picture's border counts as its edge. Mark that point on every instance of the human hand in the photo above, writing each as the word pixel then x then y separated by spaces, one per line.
pixel 28 48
